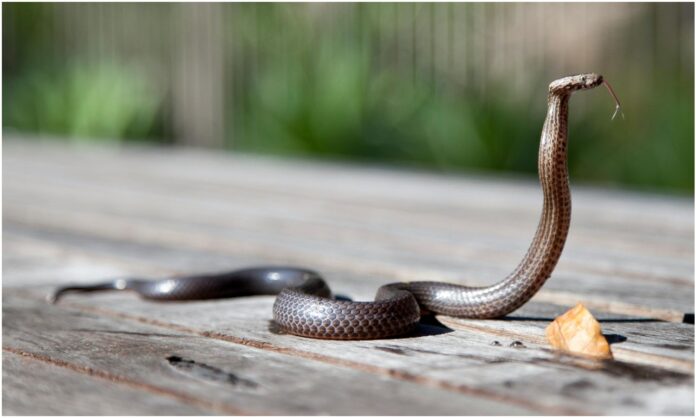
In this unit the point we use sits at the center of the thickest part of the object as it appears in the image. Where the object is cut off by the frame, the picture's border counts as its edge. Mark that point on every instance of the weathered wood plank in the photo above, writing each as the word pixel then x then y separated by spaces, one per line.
pixel 214 374
pixel 670 340
pixel 430 214
pixel 355 285
pixel 640 340
pixel 328 181
pixel 34 387
pixel 82 216
pixel 587 276
pixel 460 361
pixel 298 250
pixel 149 188
pixel 459 239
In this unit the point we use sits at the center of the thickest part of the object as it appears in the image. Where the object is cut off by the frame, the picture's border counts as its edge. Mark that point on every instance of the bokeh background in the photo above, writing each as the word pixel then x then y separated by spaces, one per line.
pixel 447 86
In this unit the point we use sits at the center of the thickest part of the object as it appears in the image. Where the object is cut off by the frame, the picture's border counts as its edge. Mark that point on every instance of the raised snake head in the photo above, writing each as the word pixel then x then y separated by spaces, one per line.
pixel 576 82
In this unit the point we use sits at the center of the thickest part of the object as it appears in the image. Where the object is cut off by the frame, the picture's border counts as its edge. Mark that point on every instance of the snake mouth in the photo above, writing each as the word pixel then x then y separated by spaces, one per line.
pixel 589 81
pixel 576 82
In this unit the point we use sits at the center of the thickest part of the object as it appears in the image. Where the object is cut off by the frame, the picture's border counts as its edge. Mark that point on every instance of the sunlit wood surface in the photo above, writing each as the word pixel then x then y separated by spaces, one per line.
pixel 83 214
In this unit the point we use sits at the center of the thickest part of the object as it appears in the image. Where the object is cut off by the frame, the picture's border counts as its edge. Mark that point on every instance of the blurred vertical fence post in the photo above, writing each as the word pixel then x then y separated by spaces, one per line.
pixel 198 87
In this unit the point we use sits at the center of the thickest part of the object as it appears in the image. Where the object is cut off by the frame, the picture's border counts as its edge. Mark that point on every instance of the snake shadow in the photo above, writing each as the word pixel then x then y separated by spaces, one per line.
pixel 429 325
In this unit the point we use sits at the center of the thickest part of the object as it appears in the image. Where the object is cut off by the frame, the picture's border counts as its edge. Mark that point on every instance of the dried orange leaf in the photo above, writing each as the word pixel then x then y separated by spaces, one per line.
pixel 578 332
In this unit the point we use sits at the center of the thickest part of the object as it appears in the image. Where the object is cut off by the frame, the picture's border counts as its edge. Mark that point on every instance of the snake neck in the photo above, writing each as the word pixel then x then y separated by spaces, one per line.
pixel 552 231
pixel 536 266
pixel 546 247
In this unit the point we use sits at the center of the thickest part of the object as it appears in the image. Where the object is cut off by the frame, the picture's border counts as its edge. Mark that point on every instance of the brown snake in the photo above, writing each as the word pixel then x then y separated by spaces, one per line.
pixel 304 305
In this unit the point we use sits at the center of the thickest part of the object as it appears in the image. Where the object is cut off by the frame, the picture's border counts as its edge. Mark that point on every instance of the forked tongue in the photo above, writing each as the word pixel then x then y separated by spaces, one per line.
pixel 616 100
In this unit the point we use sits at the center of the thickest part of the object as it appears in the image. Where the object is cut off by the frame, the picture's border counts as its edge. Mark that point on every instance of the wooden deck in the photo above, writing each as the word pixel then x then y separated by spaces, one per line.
pixel 85 214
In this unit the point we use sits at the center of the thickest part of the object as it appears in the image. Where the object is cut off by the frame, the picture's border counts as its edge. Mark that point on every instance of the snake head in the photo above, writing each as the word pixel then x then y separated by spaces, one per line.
pixel 573 83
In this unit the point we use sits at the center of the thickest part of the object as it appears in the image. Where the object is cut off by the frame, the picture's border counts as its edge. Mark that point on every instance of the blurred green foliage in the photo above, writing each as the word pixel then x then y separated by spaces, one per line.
pixel 330 99
pixel 339 109
pixel 108 102
pixel 335 105
pixel 314 92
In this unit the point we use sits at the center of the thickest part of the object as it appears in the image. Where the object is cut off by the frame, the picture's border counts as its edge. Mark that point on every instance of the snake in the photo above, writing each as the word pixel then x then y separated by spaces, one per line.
pixel 305 306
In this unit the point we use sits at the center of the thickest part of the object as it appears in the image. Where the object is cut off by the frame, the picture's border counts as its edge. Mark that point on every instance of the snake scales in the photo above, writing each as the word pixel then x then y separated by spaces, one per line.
pixel 304 305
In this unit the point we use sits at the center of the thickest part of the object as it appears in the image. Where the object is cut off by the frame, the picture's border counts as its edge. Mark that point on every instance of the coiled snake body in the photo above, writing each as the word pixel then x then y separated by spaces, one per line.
pixel 304 305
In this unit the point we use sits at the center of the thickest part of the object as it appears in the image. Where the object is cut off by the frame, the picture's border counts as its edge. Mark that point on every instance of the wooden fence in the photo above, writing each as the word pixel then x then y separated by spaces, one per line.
pixel 204 57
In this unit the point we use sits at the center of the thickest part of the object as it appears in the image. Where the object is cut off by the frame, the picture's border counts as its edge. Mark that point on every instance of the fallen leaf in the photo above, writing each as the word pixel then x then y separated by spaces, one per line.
pixel 578 332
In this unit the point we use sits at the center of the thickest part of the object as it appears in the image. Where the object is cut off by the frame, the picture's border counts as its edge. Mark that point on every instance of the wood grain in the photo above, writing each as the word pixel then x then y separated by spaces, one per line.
pixel 85 214
pixel 454 239
pixel 464 363
pixel 208 373
pixel 31 386
pixel 640 332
